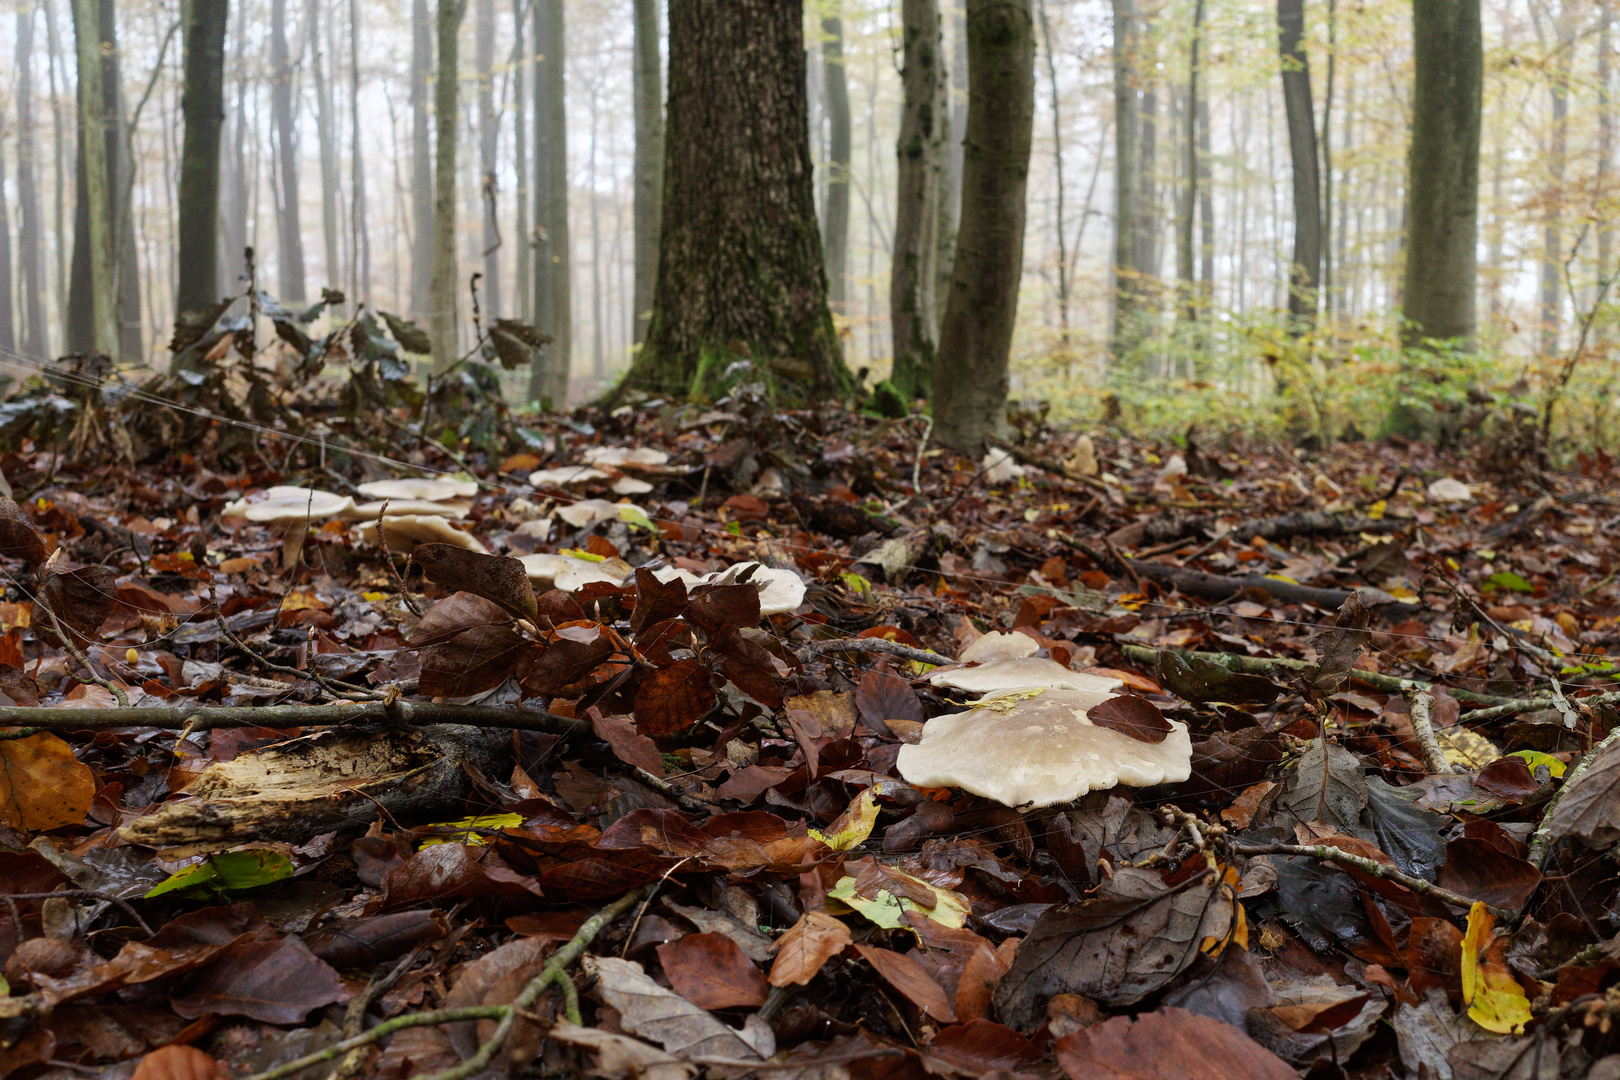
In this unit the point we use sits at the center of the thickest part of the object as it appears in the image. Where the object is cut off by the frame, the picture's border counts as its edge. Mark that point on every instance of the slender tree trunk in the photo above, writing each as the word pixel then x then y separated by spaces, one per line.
pixel 835 204
pixel 36 341
pixel 1443 170
pixel 920 150
pixel 648 92
pixel 971 380
pixel 1327 158
pixel 203 106
pixel 950 206
pixel 1189 193
pixel 1206 208
pixel 521 289
pixel 488 143
pixel 1148 221
pixel 8 322
pixel 1605 161
pixel 1126 329
pixel 598 353
pixel 1057 163
pixel 1552 254
pixel 739 264
pixel 1305 272
pixel 126 266
pixel 290 238
pixel 325 120
pixel 422 202
pixel 93 321
pixel 553 269
pixel 361 289
pixel 233 227
pixel 443 321
pixel 59 163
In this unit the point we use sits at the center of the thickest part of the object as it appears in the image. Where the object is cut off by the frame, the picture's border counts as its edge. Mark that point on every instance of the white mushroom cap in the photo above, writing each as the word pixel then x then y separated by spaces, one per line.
pixel 1040 751
pixel 999 646
pixel 426 488
pixel 629 485
pixel 1022 673
pixel 618 457
pixel 587 512
pixel 568 573
pixel 780 590
pixel 566 474
pixel 403 533
pixel 371 511
pixel 291 504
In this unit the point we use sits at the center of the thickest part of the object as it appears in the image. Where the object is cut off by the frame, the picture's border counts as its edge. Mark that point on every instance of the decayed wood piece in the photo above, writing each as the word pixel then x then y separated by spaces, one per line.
pixel 1159 530
pixel 332 779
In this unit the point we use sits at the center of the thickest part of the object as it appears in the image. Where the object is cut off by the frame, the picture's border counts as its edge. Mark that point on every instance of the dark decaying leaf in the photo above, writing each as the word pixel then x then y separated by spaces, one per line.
pixel 494 577
pixel 278 982
pixel 672 699
pixel 411 338
pixel 367 942
pixel 711 972
pixel 749 665
pixel 1128 941
pixel 572 653
pixel 656 601
pixel 458 612
pixel 532 336
pixel 474 661
pixel 1325 785
pixel 1480 870
pixel 1337 651
pixel 19 537
pixel 1133 715
pixel 1192 678
pixel 1171 1044
pixel 1589 810
pixel 881 696
pixel 81 599
pixel 714 607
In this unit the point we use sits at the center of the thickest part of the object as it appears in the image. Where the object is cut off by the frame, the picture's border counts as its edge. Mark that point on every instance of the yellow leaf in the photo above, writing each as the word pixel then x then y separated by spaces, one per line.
pixel 1495 1000
pixel 42 785
pixel 1376 510
pixel 472 829
pixel 886 909
pixel 853 826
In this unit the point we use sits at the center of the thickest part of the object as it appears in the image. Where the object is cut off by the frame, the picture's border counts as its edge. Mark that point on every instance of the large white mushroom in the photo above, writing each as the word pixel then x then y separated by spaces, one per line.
pixel 1032 750
pixel 403 533
pixel 289 504
pixel 780 590
pixel 999 645
pixel 1019 674
pixel 371 511
pixel 568 573
pixel 566 474
pixel 620 457
pixel 425 488
pixel 587 512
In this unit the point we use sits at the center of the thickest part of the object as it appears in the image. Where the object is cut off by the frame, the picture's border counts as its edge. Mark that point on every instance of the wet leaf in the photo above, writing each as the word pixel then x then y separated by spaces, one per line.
pixel 673 698
pixel 711 972
pixel 1192 678
pixel 497 578
pixel 806 946
pixel 1131 715
pixel 42 785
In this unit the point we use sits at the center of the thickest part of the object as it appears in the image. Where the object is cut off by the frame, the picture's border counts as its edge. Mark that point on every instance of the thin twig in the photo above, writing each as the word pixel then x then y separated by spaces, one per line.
pixel 1421 704
pixel 1371 867
pixel 105 898
pixel 208 717
pixel 877 645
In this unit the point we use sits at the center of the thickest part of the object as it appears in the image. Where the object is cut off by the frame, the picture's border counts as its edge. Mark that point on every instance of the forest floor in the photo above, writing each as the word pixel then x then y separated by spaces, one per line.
pixel 242 839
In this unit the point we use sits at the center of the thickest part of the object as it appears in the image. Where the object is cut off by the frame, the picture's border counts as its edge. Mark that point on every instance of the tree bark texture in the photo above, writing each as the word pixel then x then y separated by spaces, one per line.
pixel 488 134
pixel 1125 330
pixel 522 290
pixel 1443 170
pixel 1305 273
pixel 1148 222
pixel 36 342
pixel 1605 146
pixel 739 263
pixel 950 206
pixel 648 91
pixel 1552 202
pixel 1057 166
pixel 284 120
pixel 321 77
pixel 835 204
pixel 443 319
pixel 203 106
pixel 8 321
pixel 921 151
pixel 93 320
pixel 1189 193
pixel 970 380
pixel 553 269
pixel 421 161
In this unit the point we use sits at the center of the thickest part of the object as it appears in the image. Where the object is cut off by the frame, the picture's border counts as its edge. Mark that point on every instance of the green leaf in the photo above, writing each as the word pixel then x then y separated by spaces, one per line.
pixel 231 870
pixel 1507 579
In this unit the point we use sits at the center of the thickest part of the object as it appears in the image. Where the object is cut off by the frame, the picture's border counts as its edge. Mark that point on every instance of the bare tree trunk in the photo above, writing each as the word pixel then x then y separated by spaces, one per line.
pixel 1206 208
pixel 36 341
pixel 97 311
pixel 1148 221
pixel 950 205
pixel 1605 151
pixel 1057 162
pixel 443 321
pixel 126 266
pixel 920 149
pixel 1189 194
pixel 835 204
pixel 739 259
pixel 8 323
pixel 361 288
pixel 553 271
pixel 197 287
pixel 1125 331
pixel 488 142
pixel 290 240
pixel 649 164
pixel 59 160
pixel 325 120
pixel 521 288
pixel 1552 253
pixel 422 202
pixel 971 381
pixel 1327 158
pixel 598 355
pixel 1305 273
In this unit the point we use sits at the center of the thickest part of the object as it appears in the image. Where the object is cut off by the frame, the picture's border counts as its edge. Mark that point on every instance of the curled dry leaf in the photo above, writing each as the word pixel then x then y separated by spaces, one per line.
pixel 808 944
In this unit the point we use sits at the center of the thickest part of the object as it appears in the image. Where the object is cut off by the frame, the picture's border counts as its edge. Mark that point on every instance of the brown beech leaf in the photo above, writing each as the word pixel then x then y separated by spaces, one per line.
pixel 883 696
pixel 20 538
pixel 456 613
pixel 1509 779
pixel 1482 871
pixel 907 976
pixel 81 598
pixel 652 1012
pixel 179 1063
pixel 749 665
pixel 715 607
pixel 474 661
pixel 1133 715
pixel 494 577
pixel 1338 650
pixel 367 942
pixel 981 1046
pixel 619 732
pixel 711 972
pixel 42 785
pixel 806 945
pixel 278 982
pixel 672 699
pixel 1172 1044
pixel 656 601
pixel 572 653
pixel 455 872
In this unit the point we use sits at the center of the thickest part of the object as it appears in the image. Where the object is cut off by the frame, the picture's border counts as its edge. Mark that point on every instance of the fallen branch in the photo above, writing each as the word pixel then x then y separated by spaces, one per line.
pixel 1421 705
pixel 1370 867
pixel 208 717
pixel 1519 705
pixel 1541 841
pixel 1158 530
pixel 1270 665
pixel 877 645
pixel 505 1014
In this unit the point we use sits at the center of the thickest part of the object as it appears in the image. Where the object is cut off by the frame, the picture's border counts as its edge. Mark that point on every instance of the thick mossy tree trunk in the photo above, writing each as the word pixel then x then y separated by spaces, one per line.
pixel 443 320
pixel 970 376
pixel 1305 274
pixel 1443 170
pixel 739 265
pixel 203 106
pixel 649 163
pixel 1123 332
pixel 921 150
